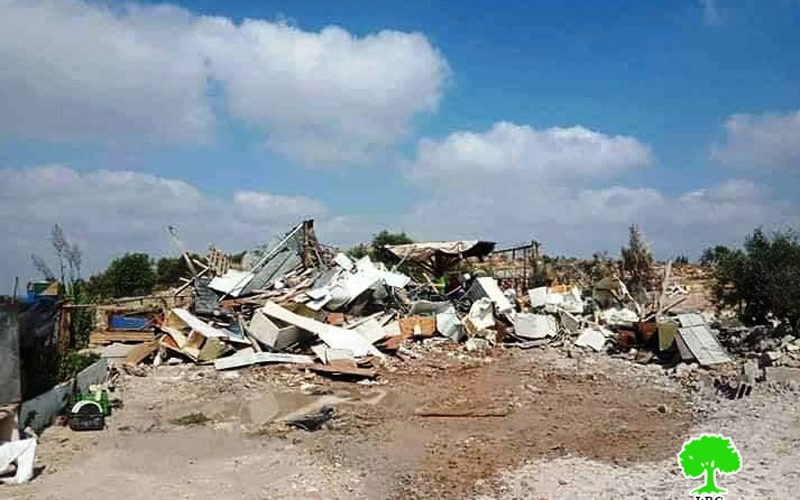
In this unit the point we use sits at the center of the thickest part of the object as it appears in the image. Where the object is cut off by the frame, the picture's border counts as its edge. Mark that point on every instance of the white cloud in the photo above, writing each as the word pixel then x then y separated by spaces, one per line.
pixel 328 96
pixel 74 71
pixel 256 206
pixel 514 183
pixel 710 12
pixel 78 71
pixel 767 141
pixel 522 153
pixel 109 213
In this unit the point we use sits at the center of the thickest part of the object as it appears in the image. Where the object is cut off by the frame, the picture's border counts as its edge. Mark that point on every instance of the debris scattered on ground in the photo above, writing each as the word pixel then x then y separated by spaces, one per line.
pixel 313 421
pixel 190 419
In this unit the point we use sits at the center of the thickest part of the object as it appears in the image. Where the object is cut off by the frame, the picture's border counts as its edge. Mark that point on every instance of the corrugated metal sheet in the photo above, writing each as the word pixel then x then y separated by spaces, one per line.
pixel 287 256
pixel 691 319
pixel 703 345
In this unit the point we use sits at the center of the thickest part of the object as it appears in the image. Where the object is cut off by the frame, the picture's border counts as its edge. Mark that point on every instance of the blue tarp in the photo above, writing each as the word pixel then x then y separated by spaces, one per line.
pixel 119 322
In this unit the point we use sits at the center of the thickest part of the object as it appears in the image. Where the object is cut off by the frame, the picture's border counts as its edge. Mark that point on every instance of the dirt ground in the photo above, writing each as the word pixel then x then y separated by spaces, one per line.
pixel 541 423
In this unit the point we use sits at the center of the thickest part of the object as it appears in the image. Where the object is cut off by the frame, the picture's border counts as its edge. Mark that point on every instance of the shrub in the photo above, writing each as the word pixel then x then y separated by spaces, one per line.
pixel 761 280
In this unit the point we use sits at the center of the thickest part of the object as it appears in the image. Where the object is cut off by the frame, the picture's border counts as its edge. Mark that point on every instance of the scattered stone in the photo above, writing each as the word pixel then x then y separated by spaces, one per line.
pixel 782 375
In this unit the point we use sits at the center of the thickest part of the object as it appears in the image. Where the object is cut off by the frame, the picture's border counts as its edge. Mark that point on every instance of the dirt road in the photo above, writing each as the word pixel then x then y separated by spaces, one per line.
pixel 506 424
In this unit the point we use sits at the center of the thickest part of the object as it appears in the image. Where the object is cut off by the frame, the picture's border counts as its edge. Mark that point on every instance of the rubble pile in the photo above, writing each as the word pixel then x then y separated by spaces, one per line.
pixel 770 345
pixel 299 302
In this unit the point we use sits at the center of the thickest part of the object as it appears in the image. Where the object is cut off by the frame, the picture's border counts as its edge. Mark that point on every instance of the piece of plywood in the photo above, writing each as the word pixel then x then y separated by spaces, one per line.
pixel 102 338
pixel 141 352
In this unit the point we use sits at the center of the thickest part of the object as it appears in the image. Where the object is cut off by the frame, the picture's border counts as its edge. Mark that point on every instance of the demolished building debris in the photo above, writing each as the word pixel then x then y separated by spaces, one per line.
pixel 299 298
pixel 298 302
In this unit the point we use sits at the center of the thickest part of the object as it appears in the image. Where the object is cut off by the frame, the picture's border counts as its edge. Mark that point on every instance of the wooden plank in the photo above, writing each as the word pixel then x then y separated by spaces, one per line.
pixel 343 368
pixel 462 413
pixel 140 352
pixel 104 337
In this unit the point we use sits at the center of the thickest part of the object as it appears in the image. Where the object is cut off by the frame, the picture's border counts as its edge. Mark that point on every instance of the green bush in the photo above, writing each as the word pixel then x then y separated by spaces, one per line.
pixel 170 270
pixel 127 276
pixel 73 362
pixel 373 248
pixel 761 280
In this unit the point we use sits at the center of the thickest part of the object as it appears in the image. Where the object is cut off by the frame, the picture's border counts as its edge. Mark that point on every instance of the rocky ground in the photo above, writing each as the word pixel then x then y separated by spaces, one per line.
pixel 540 423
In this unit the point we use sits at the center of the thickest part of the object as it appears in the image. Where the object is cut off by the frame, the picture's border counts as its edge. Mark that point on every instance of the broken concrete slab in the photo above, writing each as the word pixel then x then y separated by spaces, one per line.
pixel 615 316
pixel 349 285
pixel 344 261
pixel 429 307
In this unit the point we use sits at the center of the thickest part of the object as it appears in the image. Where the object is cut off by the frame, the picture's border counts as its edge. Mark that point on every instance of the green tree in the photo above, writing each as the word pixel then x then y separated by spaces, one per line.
pixel 386 238
pixel 708 455
pixel 170 270
pixel 762 279
pixel 358 251
pixel 713 255
pixel 379 240
pixel 126 276
pixel 637 263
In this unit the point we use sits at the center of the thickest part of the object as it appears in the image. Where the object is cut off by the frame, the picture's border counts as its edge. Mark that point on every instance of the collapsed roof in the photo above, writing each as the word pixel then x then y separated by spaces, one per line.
pixel 437 257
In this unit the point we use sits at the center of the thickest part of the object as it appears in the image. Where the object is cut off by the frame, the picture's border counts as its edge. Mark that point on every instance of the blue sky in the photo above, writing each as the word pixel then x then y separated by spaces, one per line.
pixel 616 114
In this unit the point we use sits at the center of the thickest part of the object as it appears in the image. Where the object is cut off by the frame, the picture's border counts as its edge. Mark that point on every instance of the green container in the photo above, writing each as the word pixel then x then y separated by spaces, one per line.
pixel 99 397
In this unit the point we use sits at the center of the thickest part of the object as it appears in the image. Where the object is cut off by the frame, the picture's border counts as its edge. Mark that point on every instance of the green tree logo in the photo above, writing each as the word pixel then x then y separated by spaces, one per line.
pixel 708 454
